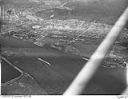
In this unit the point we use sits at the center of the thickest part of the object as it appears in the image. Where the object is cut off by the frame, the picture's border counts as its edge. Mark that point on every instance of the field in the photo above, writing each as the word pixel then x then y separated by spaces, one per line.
pixel 61 27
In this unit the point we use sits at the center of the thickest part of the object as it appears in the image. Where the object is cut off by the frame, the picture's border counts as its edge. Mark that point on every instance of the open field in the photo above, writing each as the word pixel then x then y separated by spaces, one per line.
pixel 49 39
